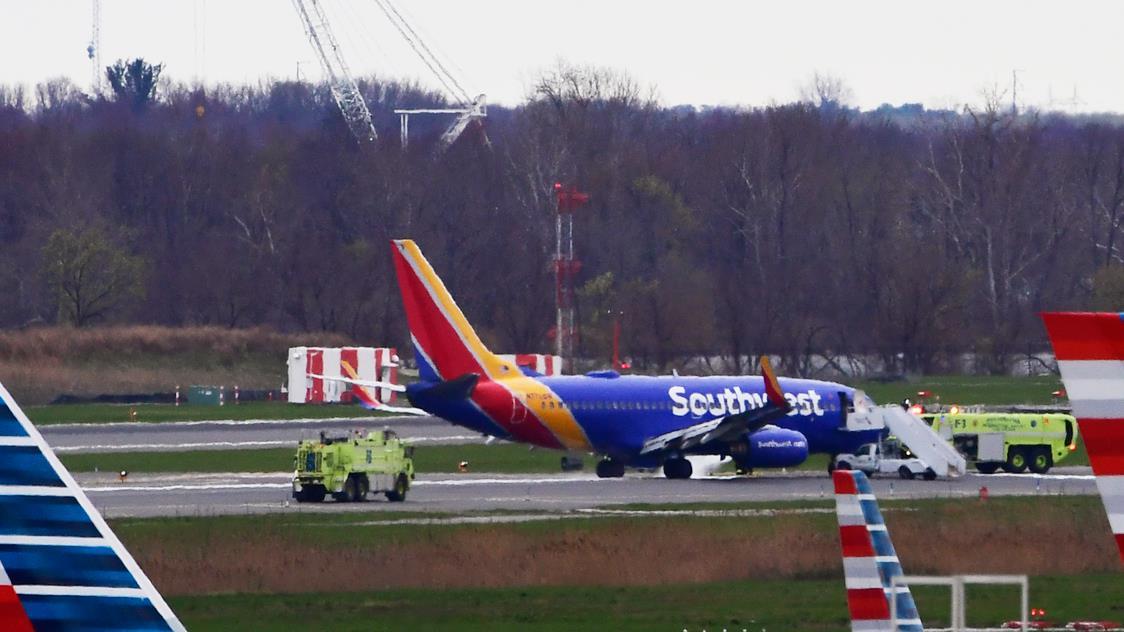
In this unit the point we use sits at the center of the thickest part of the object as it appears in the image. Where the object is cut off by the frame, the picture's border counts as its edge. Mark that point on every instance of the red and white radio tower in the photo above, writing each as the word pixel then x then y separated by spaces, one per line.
pixel 566 267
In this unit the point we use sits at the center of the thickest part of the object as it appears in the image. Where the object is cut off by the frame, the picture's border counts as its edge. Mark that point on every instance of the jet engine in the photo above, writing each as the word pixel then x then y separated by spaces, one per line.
pixel 770 447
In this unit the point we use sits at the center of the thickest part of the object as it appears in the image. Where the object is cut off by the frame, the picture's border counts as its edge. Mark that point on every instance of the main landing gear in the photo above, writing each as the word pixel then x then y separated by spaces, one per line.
pixel 677 468
pixel 609 468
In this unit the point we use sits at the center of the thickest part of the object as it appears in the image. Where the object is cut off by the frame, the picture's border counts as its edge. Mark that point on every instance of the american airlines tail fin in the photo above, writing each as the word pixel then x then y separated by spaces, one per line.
pixel 1090 351
pixel 61 568
pixel 869 560
pixel 445 344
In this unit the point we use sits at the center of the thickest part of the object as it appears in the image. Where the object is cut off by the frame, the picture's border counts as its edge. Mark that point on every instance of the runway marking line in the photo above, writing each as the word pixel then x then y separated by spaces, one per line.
pixel 106 448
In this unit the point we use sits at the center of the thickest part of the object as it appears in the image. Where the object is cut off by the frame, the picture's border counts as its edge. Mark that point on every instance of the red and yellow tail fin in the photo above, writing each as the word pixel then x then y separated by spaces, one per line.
pixel 445 344
pixel 1089 348
pixel 772 386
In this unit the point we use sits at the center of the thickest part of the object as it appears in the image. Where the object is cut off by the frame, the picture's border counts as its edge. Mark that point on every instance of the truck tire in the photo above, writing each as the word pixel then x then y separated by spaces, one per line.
pixel 1016 461
pixel 843 465
pixel 350 491
pixel 1040 460
pixel 364 486
pixel 401 486
pixel 929 474
pixel 314 494
pixel 987 467
pixel 905 473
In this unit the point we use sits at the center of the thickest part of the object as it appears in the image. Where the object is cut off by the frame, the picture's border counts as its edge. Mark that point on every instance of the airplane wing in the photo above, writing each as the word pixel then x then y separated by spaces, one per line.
pixel 61 567
pixel 726 428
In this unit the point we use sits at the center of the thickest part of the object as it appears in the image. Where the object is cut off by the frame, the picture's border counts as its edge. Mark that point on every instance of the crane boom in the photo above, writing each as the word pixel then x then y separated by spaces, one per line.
pixel 344 89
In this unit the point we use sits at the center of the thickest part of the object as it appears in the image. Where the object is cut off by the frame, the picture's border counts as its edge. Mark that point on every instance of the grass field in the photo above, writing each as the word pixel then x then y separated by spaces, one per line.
pixel 815 605
pixel 968 389
pixel 351 571
pixel 499 458
pixel 271 553
pixel 155 413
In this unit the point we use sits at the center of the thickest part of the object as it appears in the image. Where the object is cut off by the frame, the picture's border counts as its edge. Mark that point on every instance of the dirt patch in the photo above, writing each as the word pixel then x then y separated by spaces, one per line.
pixel 1060 540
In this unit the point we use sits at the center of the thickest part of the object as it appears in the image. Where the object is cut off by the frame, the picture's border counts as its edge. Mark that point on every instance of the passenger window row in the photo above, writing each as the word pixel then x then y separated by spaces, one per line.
pixel 606 405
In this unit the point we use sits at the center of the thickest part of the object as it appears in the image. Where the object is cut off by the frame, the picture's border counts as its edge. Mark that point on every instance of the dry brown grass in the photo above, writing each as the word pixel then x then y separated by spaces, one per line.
pixel 637 552
pixel 96 343
pixel 40 363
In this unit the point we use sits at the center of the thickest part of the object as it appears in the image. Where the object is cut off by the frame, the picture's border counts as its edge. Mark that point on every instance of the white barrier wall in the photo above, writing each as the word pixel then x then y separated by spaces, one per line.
pixel 546 364
pixel 371 364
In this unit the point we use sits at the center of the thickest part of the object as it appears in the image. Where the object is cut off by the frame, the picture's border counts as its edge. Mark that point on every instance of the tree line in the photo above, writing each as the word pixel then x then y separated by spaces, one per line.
pixel 808 230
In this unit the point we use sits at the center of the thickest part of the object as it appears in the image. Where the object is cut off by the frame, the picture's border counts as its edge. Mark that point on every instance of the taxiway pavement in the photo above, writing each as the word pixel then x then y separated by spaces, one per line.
pixel 214 494
pixel 232 435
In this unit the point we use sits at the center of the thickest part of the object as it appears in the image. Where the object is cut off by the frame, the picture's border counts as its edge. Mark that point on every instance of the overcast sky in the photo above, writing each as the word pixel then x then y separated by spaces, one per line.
pixel 699 51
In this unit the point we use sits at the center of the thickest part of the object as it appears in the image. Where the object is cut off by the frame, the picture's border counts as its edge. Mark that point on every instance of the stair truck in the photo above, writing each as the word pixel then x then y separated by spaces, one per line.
pixel 1014 442
pixel 350 467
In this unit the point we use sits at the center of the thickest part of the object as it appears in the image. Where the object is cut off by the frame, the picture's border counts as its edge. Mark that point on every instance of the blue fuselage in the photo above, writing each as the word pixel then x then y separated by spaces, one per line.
pixel 618 414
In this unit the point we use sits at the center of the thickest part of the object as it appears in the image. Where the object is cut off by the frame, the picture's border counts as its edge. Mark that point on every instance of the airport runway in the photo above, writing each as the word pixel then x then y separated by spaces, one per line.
pixel 213 494
pixel 228 435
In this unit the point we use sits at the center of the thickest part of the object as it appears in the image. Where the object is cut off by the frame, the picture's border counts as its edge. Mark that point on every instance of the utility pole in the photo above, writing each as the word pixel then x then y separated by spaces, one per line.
pixel 566 267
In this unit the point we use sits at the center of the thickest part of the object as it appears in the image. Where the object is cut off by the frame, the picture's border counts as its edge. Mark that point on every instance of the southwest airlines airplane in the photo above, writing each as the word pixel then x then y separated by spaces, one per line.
pixel 632 421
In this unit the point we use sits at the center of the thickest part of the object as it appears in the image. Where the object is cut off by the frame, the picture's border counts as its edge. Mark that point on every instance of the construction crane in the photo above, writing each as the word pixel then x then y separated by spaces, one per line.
pixel 344 89
pixel 93 51
pixel 469 110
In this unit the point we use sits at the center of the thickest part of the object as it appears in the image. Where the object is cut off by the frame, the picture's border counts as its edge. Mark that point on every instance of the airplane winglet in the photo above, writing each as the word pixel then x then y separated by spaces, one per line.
pixel 869 560
pixel 773 386
pixel 1089 348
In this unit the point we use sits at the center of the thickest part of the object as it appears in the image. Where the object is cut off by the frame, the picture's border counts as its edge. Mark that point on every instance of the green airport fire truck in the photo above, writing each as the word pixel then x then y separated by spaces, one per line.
pixel 350 467
pixel 1014 442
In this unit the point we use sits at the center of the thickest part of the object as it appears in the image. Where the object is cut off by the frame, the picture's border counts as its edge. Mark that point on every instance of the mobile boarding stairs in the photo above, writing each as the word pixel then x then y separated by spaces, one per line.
pixel 914 433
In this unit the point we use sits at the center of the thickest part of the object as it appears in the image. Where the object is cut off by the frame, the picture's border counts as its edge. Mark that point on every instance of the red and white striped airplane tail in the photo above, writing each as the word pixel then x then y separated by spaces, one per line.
pixel 1090 351
pixel 869 561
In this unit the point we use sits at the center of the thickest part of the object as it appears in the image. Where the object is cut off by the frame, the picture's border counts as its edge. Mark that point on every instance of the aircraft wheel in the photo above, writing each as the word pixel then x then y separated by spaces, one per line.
pixel 677 468
pixel 905 473
pixel 1016 461
pixel 1040 461
pixel 608 468
pixel 987 468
